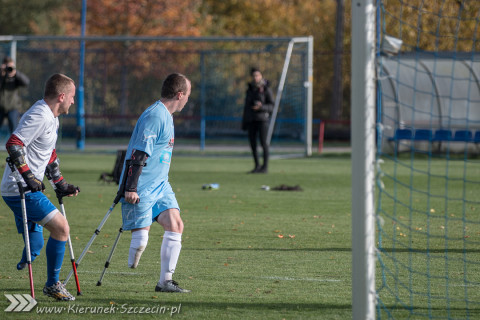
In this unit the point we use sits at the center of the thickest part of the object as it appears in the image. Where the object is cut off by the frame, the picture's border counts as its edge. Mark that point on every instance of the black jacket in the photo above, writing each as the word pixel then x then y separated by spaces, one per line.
pixel 262 93
pixel 9 97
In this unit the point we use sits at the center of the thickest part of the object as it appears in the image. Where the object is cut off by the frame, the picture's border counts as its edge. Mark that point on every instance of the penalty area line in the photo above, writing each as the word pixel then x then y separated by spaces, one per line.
pixel 301 279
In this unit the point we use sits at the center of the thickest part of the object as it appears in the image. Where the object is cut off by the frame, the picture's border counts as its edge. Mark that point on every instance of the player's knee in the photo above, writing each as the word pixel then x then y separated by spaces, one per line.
pixel 180 226
pixel 171 220
pixel 58 227
pixel 62 232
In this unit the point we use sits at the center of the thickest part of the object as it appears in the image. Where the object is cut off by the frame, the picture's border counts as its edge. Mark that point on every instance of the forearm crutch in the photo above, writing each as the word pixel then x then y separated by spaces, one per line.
pixel 95 234
pixel 107 263
pixel 120 194
pixel 16 174
pixel 120 231
pixel 70 249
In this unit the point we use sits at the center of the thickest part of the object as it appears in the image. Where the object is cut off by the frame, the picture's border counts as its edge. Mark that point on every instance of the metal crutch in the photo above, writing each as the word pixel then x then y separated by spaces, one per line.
pixel 120 194
pixel 107 263
pixel 70 248
pixel 21 190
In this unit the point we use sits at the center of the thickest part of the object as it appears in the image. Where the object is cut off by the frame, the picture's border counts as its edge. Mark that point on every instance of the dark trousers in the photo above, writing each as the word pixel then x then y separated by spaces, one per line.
pixel 258 129
pixel 13 117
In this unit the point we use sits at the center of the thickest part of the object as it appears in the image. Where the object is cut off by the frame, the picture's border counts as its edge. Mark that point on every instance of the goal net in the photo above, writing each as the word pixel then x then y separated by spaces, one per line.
pixel 428 170
pixel 123 76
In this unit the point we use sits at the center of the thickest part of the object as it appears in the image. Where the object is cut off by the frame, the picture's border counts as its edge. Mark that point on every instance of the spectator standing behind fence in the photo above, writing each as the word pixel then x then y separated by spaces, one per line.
pixel 11 80
pixel 256 117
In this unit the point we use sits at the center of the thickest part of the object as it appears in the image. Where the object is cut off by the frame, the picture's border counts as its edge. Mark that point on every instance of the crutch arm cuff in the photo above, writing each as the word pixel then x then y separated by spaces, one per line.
pixel 134 168
pixel 16 151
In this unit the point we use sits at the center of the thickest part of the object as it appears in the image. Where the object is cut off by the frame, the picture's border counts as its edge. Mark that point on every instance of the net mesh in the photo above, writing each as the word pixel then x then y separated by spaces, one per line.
pixel 124 77
pixel 428 172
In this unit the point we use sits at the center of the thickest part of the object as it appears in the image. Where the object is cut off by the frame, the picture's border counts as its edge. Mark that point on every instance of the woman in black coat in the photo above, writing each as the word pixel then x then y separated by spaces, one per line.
pixel 256 117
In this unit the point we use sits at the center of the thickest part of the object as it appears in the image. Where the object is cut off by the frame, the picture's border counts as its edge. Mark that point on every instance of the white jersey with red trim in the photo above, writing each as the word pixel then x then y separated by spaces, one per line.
pixel 38 129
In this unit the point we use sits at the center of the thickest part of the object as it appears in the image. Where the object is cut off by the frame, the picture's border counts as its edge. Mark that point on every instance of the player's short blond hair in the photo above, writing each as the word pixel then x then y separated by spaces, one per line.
pixel 56 85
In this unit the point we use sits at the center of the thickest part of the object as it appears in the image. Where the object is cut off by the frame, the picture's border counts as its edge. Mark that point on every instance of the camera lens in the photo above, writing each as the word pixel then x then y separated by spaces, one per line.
pixel 9 69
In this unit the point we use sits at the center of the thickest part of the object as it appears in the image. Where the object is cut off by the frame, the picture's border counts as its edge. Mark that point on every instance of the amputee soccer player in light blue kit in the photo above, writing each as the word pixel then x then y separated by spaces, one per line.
pixel 148 194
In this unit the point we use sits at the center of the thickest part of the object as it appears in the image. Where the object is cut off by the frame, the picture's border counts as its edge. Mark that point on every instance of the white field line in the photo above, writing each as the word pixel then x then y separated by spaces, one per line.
pixel 112 272
pixel 301 279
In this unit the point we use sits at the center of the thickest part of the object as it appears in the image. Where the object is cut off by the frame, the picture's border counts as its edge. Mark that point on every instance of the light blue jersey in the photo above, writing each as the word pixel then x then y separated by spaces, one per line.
pixel 154 135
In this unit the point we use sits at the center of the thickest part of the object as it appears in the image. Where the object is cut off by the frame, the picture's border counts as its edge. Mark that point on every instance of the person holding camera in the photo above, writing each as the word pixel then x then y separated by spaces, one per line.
pixel 11 80
pixel 258 107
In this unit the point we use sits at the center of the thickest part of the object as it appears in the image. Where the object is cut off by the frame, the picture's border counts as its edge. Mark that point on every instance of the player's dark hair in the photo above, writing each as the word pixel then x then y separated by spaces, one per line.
pixel 57 84
pixel 174 83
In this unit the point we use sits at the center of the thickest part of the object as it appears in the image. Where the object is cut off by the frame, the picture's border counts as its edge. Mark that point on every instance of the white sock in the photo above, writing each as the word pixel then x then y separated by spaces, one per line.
pixel 137 246
pixel 169 253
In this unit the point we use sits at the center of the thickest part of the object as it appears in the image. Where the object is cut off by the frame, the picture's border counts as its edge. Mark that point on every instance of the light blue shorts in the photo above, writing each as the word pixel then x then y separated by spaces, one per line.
pixel 144 213
pixel 40 210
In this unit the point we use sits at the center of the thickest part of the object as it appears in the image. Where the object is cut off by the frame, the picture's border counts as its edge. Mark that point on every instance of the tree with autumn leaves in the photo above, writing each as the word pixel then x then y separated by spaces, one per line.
pixel 437 21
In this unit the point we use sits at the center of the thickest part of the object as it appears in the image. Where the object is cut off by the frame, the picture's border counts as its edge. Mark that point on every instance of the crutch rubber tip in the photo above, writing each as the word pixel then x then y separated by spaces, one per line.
pixel 99 284
pixel 79 293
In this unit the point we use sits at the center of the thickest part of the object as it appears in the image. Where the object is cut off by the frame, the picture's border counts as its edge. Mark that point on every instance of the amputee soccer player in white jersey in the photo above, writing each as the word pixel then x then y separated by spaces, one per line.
pixel 148 194
pixel 31 148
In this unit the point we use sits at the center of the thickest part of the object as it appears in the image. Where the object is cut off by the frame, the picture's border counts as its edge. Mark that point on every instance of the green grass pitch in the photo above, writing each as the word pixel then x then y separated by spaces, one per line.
pixel 247 253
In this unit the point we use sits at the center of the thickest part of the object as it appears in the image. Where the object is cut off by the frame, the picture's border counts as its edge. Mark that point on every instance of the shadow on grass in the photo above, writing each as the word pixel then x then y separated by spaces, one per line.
pixel 271 249
pixel 240 305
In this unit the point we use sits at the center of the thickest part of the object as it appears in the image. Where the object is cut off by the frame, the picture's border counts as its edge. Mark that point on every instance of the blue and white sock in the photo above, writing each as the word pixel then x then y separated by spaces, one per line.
pixel 54 252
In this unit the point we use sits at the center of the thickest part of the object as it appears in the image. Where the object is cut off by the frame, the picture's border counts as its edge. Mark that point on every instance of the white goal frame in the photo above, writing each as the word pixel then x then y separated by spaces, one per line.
pixel 363 159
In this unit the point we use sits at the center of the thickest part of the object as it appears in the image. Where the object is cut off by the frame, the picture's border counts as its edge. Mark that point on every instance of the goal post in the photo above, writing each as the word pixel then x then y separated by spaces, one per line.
pixel 307 82
pixel 123 75
pixel 363 158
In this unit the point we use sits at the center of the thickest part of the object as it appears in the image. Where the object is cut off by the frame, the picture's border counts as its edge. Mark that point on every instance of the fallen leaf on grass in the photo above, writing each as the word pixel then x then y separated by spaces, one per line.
pixel 291 236
pixel 280 236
